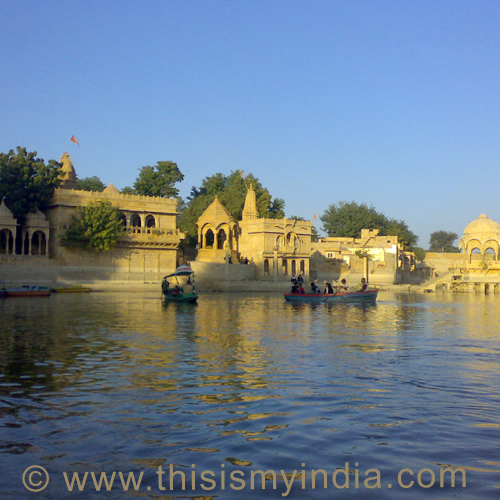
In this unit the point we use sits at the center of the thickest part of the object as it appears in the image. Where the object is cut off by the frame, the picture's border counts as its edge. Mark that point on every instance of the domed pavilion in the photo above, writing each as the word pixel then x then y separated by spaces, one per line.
pixel 483 235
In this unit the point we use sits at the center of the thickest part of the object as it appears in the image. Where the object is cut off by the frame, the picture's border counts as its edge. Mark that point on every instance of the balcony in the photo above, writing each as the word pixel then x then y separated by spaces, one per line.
pixel 150 236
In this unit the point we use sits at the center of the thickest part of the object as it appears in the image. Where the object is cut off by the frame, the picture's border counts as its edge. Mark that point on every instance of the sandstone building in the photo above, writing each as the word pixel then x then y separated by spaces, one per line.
pixel 146 251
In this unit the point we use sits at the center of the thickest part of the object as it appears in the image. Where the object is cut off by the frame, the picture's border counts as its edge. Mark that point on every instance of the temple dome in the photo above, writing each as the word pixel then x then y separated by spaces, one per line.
pixel 482 227
pixel 5 213
pixel 35 217
pixel 111 190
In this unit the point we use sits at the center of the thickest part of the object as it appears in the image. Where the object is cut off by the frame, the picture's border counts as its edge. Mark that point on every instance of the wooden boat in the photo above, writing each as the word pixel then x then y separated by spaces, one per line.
pixel 70 289
pixel 28 291
pixel 182 288
pixel 327 298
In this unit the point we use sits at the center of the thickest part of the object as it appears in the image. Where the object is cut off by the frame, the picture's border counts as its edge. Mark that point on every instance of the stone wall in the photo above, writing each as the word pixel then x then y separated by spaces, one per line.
pixel 78 267
pixel 208 272
pixel 442 263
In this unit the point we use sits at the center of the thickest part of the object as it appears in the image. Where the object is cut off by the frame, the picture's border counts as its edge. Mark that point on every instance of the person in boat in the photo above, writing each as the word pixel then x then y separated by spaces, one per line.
pixel 293 279
pixel 344 287
pixel 295 288
pixel 301 289
pixel 314 288
pixel 328 288
pixel 300 280
pixel 364 285
pixel 176 290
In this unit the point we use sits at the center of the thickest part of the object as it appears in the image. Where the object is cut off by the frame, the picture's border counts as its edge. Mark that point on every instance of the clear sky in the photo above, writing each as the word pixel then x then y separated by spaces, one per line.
pixel 391 103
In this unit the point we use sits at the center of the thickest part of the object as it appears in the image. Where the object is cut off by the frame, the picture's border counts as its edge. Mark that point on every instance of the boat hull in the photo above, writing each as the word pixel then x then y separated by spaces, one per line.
pixel 181 298
pixel 27 291
pixel 328 298
pixel 76 289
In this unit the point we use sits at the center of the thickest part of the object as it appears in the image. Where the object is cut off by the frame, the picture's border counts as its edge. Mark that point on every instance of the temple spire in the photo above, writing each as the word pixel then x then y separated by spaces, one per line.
pixel 68 174
pixel 250 207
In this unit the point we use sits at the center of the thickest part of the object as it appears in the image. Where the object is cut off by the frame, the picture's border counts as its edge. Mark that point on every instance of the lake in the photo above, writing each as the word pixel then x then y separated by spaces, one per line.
pixel 245 396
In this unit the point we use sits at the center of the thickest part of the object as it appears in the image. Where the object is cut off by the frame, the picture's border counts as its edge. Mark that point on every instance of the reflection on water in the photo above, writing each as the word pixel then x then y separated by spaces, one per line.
pixel 120 382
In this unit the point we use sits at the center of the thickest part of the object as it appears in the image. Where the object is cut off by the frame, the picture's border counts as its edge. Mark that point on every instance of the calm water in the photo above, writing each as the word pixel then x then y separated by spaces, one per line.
pixel 246 382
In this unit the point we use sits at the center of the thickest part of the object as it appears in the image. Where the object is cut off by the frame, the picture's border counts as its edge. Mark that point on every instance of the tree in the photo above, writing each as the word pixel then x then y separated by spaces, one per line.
pixel 442 241
pixel 399 228
pixel 90 184
pixel 26 182
pixel 231 191
pixel 348 218
pixel 157 181
pixel 419 254
pixel 98 227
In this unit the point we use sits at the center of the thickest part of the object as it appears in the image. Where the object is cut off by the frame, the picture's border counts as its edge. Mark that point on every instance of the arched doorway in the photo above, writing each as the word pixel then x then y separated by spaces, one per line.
pixel 221 238
pixel 209 239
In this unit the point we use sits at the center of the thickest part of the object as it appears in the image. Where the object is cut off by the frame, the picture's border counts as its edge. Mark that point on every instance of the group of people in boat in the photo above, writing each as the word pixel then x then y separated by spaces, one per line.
pixel 297 286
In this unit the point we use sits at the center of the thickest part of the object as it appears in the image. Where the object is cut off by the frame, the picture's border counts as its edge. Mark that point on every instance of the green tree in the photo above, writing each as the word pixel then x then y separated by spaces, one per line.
pixel 348 218
pixel 419 253
pixel 442 241
pixel 26 182
pixel 158 180
pixel 231 191
pixel 90 184
pixel 97 227
pixel 399 228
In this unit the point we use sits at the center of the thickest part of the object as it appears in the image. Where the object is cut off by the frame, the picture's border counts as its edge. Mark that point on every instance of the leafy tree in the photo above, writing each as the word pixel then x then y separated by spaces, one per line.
pixel 158 180
pixel 90 184
pixel 231 191
pixel 128 190
pixel 348 218
pixel 26 182
pixel 98 227
pixel 442 241
pixel 407 238
pixel 419 253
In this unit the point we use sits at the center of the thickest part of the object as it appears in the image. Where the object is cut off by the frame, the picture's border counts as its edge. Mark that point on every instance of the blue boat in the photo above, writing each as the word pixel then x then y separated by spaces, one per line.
pixel 328 298
pixel 182 288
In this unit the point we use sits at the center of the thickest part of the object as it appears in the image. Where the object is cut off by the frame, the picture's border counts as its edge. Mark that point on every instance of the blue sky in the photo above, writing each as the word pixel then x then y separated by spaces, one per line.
pixel 391 103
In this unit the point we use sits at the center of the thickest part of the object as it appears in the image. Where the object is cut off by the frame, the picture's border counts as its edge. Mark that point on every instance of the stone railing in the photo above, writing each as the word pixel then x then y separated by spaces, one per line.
pixel 151 234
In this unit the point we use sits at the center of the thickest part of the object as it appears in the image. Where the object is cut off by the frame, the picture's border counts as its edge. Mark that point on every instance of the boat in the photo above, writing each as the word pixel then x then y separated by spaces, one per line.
pixel 27 291
pixel 70 289
pixel 182 288
pixel 328 298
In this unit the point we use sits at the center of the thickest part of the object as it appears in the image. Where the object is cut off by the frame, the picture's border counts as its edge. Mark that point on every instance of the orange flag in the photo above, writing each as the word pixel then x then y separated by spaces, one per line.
pixel 74 140
pixel 242 173
pixel 315 217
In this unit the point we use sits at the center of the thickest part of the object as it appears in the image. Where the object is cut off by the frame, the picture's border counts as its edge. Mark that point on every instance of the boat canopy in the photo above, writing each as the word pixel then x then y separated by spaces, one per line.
pixel 183 270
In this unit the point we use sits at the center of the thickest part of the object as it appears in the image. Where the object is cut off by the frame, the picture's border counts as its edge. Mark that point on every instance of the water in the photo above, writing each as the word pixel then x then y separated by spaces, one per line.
pixel 246 382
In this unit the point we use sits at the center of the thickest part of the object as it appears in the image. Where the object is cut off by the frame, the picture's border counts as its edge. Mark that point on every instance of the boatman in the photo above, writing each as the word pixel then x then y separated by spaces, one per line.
pixel 345 286
pixel 364 285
